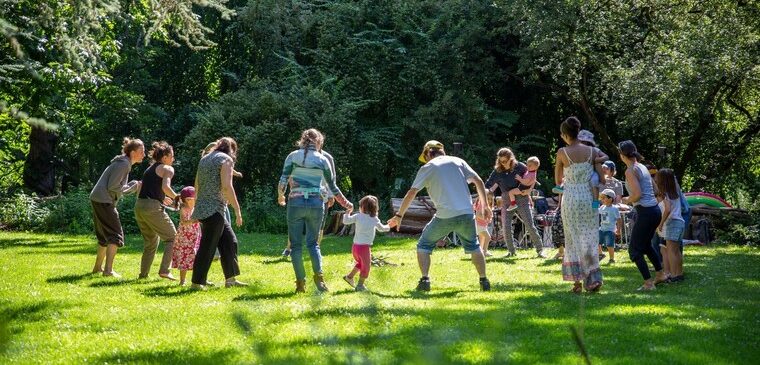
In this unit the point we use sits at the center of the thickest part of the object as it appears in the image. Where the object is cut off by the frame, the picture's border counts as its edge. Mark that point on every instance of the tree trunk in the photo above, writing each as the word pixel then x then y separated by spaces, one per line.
pixel 39 168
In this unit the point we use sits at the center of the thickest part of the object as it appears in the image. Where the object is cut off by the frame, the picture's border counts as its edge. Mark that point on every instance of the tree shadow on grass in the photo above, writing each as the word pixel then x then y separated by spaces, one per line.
pixel 110 282
pixel 175 356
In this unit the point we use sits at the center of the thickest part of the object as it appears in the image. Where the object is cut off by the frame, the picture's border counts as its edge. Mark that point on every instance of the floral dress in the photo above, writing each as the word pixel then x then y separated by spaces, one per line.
pixel 581 261
pixel 187 241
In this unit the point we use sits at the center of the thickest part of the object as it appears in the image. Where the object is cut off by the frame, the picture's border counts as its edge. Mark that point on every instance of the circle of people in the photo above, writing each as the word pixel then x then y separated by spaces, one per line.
pixel 308 178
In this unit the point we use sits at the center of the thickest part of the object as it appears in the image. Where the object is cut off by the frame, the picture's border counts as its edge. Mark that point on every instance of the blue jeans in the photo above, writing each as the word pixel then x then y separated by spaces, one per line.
pixel 304 221
pixel 463 226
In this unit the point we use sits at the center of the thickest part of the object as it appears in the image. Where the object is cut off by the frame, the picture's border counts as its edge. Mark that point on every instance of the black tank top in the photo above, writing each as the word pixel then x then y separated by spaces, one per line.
pixel 151 184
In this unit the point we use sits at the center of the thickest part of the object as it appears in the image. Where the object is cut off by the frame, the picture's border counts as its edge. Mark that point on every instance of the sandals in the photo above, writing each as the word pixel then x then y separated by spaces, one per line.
pixel 350 281
pixel 577 288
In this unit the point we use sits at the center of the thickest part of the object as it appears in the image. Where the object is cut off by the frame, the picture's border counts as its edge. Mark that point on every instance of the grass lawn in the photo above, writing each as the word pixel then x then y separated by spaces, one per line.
pixel 53 311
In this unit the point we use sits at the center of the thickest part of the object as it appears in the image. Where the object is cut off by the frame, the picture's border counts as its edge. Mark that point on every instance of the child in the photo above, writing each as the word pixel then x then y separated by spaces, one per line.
pixel 587 138
pixel 188 235
pixel 482 225
pixel 610 223
pixel 366 223
pixel 671 225
pixel 527 181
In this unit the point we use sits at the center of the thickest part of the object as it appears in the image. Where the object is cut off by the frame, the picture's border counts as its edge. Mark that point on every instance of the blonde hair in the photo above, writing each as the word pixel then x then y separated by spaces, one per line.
pixel 369 205
pixel 535 160
pixel 505 152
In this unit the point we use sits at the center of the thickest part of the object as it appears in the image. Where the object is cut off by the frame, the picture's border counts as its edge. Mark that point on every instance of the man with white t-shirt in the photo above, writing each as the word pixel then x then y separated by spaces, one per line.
pixel 446 179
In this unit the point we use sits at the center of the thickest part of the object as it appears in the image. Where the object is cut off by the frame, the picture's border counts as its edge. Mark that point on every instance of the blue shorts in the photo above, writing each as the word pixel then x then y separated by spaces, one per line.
pixel 463 226
pixel 673 230
pixel 607 238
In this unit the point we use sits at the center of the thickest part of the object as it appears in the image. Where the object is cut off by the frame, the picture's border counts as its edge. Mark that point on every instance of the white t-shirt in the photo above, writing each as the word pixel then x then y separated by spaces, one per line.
pixel 365 227
pixel 445 178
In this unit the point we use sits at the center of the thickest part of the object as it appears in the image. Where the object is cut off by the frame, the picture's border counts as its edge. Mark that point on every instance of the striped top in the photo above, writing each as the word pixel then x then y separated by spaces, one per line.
pixel 304 170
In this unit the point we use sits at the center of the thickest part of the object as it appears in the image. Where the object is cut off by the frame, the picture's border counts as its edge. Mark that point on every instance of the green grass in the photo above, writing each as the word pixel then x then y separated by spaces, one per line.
pixel 53 311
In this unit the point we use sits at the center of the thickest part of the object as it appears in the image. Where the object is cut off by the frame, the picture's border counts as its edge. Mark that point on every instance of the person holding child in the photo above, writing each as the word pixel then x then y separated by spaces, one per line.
pixel 446 179
pixel 504 177
pixel 303 171
pixel 527 182
pixel 648 216
pixel 587 138
pixel 610 224
pixel 104 197
pixel 671 225
pixel 188 235
pixel 366 222
pixel 573 170
pixel 150 214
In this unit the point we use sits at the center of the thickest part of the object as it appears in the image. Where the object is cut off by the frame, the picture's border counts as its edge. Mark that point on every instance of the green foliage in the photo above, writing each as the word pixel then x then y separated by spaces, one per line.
pixel 261 213
pixel 23 212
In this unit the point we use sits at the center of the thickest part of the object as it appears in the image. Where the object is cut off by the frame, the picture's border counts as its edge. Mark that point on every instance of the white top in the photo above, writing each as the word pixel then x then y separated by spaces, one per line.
pixel 445 178
pixel 365 227
pixel 675 209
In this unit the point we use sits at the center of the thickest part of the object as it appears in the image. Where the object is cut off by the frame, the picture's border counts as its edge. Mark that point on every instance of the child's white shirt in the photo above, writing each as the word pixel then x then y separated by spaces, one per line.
pixel 365 227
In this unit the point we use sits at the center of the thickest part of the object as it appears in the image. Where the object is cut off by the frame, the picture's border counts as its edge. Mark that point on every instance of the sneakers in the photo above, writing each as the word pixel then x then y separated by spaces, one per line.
pixel 612 261
pixel 286 252
pixel 361 287
pixel 558 190
pixel 112 274
pixel 350 281
pixel 602 256
pixel 423 284
pixel 540 255
pixel 512 206
pixel 485 285
pixel 197 287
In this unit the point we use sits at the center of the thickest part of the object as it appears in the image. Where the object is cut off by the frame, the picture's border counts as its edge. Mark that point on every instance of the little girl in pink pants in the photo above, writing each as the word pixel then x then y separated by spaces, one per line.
pixel 367 223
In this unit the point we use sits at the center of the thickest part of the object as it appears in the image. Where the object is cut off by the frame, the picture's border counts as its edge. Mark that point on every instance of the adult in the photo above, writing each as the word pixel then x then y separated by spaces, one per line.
pixel 103 198
pixel 303 170
pixel 573 170
pixel 609 181
pixel 503 176
pixel 641 195
pixel 214 191
pixel 446 179
pixel 150 214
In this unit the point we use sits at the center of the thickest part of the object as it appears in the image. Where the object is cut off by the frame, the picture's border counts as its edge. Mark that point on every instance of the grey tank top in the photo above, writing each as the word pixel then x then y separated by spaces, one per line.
pixel 645 184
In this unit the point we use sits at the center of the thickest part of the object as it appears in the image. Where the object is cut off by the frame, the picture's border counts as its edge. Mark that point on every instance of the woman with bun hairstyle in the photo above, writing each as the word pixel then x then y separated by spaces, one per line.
pixel 150 214
pixel 574 167
pixel 111 185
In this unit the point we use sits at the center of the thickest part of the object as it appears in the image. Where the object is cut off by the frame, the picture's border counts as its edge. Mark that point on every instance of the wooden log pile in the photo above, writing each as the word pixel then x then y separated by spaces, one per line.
pixel 420 212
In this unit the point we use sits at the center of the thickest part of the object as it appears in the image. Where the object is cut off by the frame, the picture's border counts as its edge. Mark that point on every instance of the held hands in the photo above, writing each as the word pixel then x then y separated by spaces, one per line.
pixel 169 202
pixel 395 222
pixel 486 213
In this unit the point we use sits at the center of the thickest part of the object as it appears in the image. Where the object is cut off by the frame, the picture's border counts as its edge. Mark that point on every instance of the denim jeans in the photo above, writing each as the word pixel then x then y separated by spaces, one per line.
pixel 304 222
pixel 463 226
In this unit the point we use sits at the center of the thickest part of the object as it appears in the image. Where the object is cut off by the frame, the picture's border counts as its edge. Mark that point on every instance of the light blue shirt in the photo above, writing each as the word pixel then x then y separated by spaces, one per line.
pixel 445 178
pixel 609 216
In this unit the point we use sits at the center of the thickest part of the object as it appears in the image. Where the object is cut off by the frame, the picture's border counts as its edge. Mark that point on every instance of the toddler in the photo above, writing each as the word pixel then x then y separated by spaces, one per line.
pixel 367 223
pixel 188 235
pixel 482 225
pixel 610 223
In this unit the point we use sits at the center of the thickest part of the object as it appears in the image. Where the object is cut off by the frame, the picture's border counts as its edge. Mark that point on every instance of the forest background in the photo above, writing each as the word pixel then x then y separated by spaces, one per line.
pixel 379 78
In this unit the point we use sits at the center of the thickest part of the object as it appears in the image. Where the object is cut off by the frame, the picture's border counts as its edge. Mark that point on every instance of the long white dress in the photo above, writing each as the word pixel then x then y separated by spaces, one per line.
pixel 580 221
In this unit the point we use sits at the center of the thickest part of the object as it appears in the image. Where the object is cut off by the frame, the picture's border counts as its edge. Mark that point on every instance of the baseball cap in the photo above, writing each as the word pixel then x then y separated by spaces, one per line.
pixel 428 145
pixel 610 165
pixel 609 192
